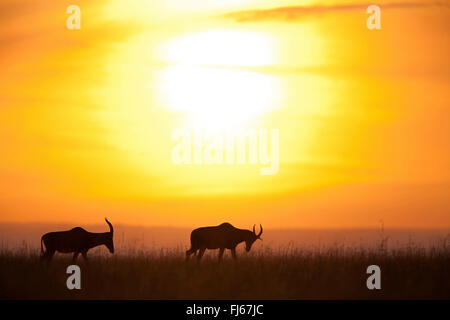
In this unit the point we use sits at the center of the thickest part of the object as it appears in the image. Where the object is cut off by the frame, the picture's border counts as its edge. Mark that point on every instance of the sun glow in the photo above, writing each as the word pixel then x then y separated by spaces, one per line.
pixel 88 117
pixel 205 81
pixel 216 97
pixel 221 48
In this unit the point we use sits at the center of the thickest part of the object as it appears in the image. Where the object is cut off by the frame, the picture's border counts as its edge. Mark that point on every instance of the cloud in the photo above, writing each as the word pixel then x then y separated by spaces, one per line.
pixel 298 13
pixel 11 9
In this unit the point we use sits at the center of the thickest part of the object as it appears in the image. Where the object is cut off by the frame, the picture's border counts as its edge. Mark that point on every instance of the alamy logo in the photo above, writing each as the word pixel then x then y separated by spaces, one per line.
pixel 374 281
pixel 374 21
pixel 242 147
pixel 74 280
pixel 74 20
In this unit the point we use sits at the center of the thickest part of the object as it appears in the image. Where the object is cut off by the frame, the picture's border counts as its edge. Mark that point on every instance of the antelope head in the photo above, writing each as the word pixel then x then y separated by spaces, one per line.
pixel 109 243
pixel 253 237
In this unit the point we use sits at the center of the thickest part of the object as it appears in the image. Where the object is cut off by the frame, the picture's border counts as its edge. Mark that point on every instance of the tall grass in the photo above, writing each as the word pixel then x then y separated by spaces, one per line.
pixel 337 272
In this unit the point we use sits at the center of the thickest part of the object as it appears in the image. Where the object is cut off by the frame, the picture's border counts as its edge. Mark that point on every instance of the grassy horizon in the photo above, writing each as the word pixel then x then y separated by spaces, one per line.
pixel 287 273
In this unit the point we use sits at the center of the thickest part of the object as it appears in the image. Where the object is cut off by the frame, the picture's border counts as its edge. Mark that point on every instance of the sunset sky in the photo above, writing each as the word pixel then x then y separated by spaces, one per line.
pixel 87 116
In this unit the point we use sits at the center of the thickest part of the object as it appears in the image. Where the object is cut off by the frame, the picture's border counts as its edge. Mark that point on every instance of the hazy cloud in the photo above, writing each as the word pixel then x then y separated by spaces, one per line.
pixel 298 13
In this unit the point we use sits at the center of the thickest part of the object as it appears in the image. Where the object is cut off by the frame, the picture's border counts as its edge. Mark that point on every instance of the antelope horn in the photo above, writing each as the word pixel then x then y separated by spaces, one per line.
pixel 111 229
pixel 261 230
pixel 254 229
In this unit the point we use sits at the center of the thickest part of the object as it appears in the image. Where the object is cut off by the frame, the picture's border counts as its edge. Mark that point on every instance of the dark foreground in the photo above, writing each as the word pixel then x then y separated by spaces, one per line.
pixel 332 274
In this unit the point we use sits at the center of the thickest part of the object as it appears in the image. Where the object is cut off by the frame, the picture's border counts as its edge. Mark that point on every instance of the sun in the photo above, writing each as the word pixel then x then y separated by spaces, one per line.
pixel 217 98
pixel 221 47
pixel 208 77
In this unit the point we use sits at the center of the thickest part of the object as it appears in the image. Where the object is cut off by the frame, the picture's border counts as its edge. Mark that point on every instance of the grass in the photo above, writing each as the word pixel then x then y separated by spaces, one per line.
pixel 289 273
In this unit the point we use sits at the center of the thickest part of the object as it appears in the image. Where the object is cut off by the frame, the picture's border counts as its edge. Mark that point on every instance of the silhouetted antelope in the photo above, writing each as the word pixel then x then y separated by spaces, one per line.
pixel 76 240
pixel 222 237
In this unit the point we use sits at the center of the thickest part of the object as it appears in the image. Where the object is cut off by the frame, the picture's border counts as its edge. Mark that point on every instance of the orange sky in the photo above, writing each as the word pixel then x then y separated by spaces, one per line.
pixel 87 116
